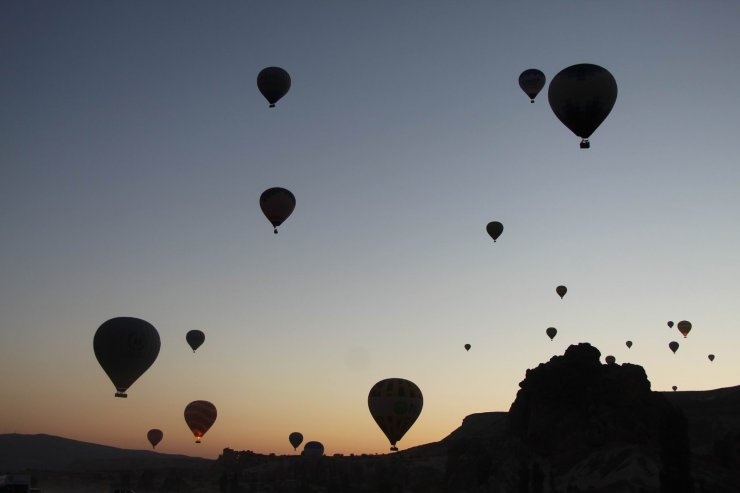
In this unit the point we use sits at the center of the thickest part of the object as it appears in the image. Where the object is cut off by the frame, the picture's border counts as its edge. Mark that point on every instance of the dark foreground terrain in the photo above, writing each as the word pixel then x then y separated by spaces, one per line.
pixel 575 426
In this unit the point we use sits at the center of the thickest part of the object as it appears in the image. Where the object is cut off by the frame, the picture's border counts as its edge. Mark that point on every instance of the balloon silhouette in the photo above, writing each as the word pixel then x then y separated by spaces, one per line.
pixel 684 327
pixel 581 96
pixel 313 449
pixel 670 325
pixel 277 205
pixel 551 332
pixel 711 357
pixel 674 388
pixel 495 229
pixel 273 83
pixel 629 344
pixel 200 416
pixel 395 404
pixel 295 439
pixel 610 360
pixel 195 338
pixel 467 347
pixel 125 347
pixel 561 290
pixel 532 81
pixel 674 346
pixel 154 436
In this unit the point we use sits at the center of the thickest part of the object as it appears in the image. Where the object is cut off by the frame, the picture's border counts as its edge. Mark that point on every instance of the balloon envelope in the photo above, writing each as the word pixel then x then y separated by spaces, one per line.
pixel 200 416
pixel 495 229
pixel 295 439
pixel 711 357
pixel 154 436
pixel 674 346
pixel 273 83
pixel 125 347
pixel 674 388
pixel 670 325
pixel 277 205
pixel 561 290
pixel 629 344
pixel 532 81
pixel 195 338
pixel 581 96
pixel 551 332
pixel 684 327
pixel 467 347
pixel 395 403
pixel 610 360
pixel 313 449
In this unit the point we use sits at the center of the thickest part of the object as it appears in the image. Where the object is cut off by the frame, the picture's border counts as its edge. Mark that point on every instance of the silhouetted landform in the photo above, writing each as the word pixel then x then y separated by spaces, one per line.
pixel 576 426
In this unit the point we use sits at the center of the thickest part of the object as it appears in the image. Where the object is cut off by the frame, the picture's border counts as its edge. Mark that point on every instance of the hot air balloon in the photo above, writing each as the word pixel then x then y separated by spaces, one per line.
pixel 684 327
pixel 495 229
pixel 581 96
pixel 395 404
pixel 670 325
pixel 125 347
pixel 295 439
pixel 561 290
pixel 200 416
pixel 674 388
pixel 674 346
pixel 154 436
pixel 467 347
pixel 551 332
pixel 532 81
pixel 313 449
pixel 277 204
pixel 610 360
pixel 629 344
pixel 273 83
pixel 711 357
pixel 195 338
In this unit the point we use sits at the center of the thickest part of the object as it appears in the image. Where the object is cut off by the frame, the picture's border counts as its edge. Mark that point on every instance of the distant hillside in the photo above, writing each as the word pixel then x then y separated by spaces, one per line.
pixel 51 453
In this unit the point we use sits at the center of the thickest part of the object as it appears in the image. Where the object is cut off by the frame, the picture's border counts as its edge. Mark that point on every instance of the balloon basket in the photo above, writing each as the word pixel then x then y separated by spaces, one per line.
pixel 121 394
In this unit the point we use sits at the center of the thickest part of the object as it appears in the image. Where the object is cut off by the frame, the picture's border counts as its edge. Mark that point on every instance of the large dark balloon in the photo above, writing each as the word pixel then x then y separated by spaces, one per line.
pixel 673 345
pixel 610 360
pixel 711 357
pixel 395 404
pixel 629 344
pixel 551 332
pixel 670 325
pixel 684 327
pixel 154 436
pixel 200 416
pixel 532 81
pixel 467 347
pixel 273 83
pixel 581 96
pixel 195 338
pixel 277 205
pixel 313 449
pixel 126 347
pixel 561 290
pixel 295 439
pixel 495 229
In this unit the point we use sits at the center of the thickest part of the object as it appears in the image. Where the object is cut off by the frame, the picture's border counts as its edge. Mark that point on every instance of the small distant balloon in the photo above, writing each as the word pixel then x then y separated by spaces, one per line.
pixel 532 81
pixel 551 332
pixel 674 388
pixel 154 436
pixel 277 205
pixel 684 327
pixel 195 338
pixel 610 360
pixel 670 325
pixel 561 290
pixel 295 439
pixel 313 449
pixel 674 346
pixel 495 229
pixel 711 357
pixel 200 416
pixel 273 83
pixel 467 347
pixel 629 344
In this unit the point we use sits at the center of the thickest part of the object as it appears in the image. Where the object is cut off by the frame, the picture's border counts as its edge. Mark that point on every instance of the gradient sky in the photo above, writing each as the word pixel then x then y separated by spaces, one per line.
pixel 134 147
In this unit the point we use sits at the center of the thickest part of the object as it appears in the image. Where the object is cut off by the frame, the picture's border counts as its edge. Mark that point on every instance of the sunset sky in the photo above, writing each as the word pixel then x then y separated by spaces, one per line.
pixel 134 146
